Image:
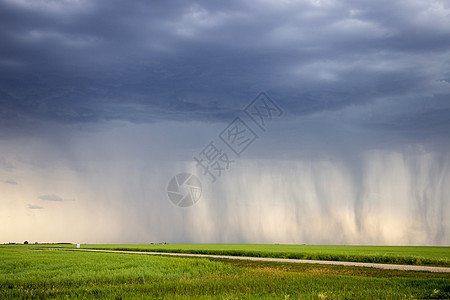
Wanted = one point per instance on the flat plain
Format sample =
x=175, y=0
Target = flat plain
x=34, y=273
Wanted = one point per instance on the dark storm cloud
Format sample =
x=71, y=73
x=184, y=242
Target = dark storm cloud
x=87, y=61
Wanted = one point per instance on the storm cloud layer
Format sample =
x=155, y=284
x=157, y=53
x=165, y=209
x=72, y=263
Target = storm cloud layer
x=102, y=102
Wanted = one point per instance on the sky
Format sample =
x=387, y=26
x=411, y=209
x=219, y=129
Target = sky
x=340, y=112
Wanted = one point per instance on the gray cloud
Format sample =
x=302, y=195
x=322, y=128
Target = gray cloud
x=51, y=198
x=31, y=206
x=10, y=181
x=5, y=164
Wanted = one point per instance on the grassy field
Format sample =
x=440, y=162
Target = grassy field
x=411, y=255
x=27, y=273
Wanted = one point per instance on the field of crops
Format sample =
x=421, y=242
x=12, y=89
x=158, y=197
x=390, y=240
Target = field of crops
x=33, y=273
x=411, y=255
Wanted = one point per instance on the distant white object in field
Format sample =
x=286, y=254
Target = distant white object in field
x=78, y=245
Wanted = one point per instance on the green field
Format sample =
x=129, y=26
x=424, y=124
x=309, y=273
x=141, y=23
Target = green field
x=33, y=273
x=411, y=255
